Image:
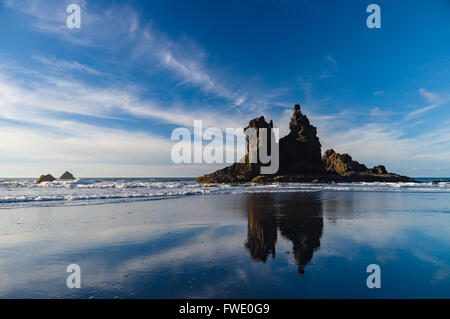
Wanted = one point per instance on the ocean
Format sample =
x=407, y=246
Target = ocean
x=23, y=192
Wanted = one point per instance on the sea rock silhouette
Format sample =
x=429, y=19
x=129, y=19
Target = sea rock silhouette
x=245, y=170
x=344, y=165
x=300, y=160
x=380, y=169
x=67, y=176
x=300, y=150
x=45, y=178
x=341, y=164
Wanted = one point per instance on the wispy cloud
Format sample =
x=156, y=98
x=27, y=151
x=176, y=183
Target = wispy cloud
x=373, y=141
x=383, y=143
x=378, y=92
x=332, y=61
x=120, y=28
x=60, y=65
x=430, y=97
x=377, y=112
x=34, y=122
x=40, y=93
x=425, y=109
x=44, y=99
x=192, y=73
x=332, y=67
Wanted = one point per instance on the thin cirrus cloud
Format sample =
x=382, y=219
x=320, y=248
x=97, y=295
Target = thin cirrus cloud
x=41, y=99
x=31, y=113
x=32, y=125
x=191, y=73
x=143, y=43
x=377, y=112
x=55, y=64
x=430, y=97
x=42, y=92
x=38, y=102
x=120, y=28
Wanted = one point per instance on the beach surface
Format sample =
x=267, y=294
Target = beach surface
x=277, y=244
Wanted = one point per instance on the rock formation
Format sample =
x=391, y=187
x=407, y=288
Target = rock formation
x=45, y=178
x=300, y=150
x=345, y=165
x=380, y=169
x=245, y=170
x=341, y=164
x=67, y=176
x=300, y=160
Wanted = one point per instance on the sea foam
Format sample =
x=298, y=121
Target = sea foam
x=24, y=192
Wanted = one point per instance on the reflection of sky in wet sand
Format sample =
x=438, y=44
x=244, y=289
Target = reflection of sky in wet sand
x=248, y=245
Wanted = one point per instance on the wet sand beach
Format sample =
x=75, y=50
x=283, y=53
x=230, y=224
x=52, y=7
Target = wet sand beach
x=263, y=245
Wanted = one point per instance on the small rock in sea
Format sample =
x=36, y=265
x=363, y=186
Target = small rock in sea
x=67, y=176
x=45, y=178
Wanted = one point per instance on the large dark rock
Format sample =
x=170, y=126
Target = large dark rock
x=344, y=165
x=45, y=178
x=380, y=169
x=67, y=176
x=300, y=150
x=300, y=160
x=341, y=164
x=245, y=170
x=348, y=170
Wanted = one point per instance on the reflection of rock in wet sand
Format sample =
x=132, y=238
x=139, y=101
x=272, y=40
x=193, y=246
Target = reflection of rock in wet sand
x=262, y=229
x=297, y=216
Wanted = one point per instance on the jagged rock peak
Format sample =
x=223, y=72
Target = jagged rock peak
x=259, y=122
x=252, y=147
x=300, y=150
x=301, y=128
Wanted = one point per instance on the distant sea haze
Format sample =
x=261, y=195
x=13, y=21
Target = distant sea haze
x=23, y=192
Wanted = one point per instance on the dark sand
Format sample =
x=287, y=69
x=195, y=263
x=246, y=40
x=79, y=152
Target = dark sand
x=279, y=245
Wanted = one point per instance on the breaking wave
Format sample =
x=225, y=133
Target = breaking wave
x=24, y=193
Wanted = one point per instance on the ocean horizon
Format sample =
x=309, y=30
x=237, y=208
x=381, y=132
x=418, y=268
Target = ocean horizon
x=24, y=192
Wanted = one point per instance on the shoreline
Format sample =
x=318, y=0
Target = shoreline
x=24, y=193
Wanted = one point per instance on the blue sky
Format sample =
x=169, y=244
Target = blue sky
x=103, y=100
